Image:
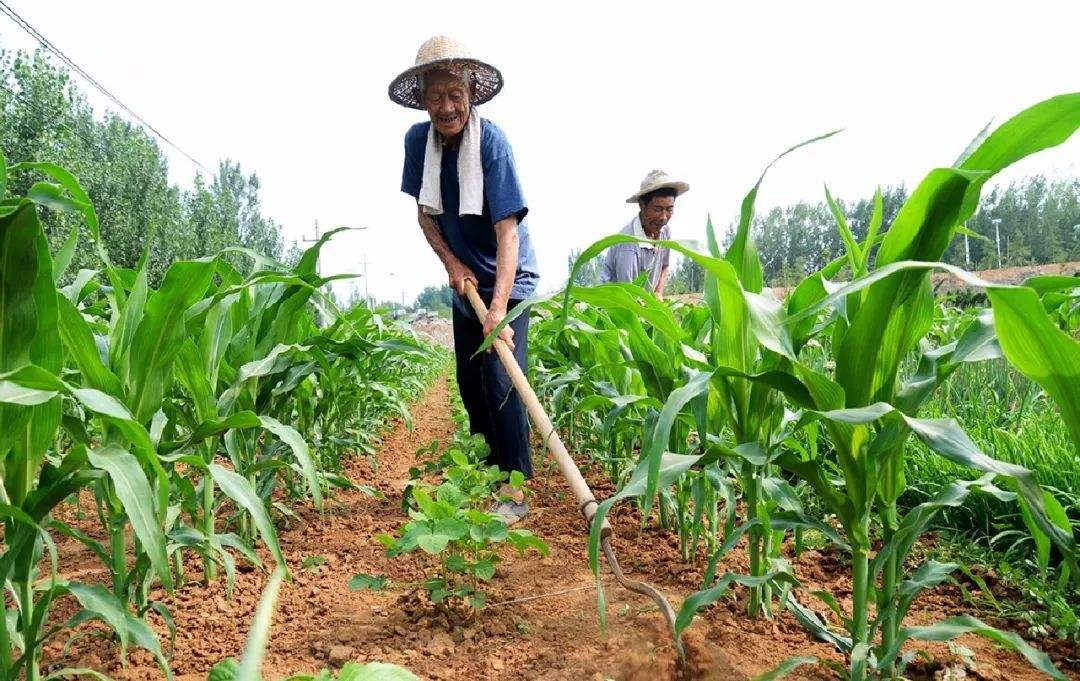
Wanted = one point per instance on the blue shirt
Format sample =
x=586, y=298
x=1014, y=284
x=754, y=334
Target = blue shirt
x=471, y=238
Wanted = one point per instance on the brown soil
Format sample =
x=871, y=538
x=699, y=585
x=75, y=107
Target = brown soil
x=555, y=635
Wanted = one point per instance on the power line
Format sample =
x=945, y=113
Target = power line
x=44, y=42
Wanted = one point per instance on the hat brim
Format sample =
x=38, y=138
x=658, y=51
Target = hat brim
x=487, y=81
x=679, y=187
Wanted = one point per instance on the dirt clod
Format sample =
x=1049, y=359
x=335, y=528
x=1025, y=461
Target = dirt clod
x=339, y=655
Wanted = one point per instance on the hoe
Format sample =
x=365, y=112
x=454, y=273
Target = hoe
x=584, y=496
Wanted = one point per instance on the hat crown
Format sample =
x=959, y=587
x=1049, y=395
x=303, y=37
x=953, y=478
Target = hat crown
x=654, y=177
x=441, y=47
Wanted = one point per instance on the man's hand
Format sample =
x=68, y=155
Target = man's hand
x=494, y=316
x=459, y=273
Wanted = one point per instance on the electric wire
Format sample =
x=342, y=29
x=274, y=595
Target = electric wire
x=44, y=42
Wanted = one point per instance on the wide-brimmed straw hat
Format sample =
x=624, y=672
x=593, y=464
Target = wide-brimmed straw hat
x=447, y=53
x=658, y=179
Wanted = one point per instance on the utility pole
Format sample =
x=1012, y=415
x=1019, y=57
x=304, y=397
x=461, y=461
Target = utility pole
x=367, y=289
x=967, y=252
x=311, y=241
x=997, y=238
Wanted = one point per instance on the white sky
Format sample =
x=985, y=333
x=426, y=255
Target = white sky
x=596, y=95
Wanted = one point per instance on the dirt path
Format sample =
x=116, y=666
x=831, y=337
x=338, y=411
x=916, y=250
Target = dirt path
x=321, y=623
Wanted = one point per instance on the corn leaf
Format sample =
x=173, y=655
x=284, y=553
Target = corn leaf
x=259, y=635
x=1039, y=349
x=965, y=624
x=133, y=489
x=293, y=439
x=240, y=490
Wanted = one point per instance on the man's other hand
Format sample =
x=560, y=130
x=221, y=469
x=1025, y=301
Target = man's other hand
x=494, y=316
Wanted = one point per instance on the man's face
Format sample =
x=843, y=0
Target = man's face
x=446, y=98
x=657, y=212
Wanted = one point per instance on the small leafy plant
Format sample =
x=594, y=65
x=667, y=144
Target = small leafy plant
x=448, y=523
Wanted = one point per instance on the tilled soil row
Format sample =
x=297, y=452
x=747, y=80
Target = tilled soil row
x=542, y=622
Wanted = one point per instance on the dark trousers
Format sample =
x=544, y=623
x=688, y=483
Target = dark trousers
x=495, y=408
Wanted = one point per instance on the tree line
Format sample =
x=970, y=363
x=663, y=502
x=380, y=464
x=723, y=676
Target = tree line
x=1033, y=220
x=45, y=117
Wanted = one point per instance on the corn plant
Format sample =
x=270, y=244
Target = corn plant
x=138, y=394
x=860, y=398
x=725, y=382
x=37, y=476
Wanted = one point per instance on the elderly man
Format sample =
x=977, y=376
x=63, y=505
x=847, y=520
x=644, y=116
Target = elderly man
x=656, y=204
x=460, y=169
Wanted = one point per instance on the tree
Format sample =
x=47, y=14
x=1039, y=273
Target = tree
x=44, y=117
x=438, y=299
x=688, y=277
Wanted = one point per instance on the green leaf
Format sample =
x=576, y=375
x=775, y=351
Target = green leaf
x=742, y=254
x=291, y=437
x=672, y=467
x=66, y=253
x=965, y=624
x=375, y=671
x=224, y=670
x=361, y=581
x=484, y=570
x=259, y=634
x=457, y=563
x=100, y=603
x=523, y=540
x=160, y=334
x=134, y=492
x=653, y=453
x=78, y=340
x=1039, y=349
x=239, y=489
x=786, y=667
x=312, y=562
x=432, y=543
x=53, y=197
x=699, y=599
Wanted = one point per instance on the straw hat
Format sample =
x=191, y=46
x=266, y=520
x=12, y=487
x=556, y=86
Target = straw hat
x=658, y=179
x=444, y=52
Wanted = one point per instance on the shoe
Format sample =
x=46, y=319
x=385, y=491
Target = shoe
x=510, y=512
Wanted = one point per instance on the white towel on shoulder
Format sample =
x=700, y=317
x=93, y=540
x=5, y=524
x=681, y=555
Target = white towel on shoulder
x=470, y=171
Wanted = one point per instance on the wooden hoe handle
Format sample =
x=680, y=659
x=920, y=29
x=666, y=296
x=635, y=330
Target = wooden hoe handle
x=584, y=496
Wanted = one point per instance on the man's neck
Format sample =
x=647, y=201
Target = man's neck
x=452, y=142
x=649, y=232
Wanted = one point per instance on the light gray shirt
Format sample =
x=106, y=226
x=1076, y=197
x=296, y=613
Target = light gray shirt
x=625, y=262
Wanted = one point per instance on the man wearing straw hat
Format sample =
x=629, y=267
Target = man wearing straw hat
x=655, y=200
x=460, y=169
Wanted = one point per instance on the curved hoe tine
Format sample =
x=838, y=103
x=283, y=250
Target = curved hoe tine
x=646, y=590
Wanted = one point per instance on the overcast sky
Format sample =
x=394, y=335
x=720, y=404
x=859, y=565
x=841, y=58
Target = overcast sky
x=596, y=95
